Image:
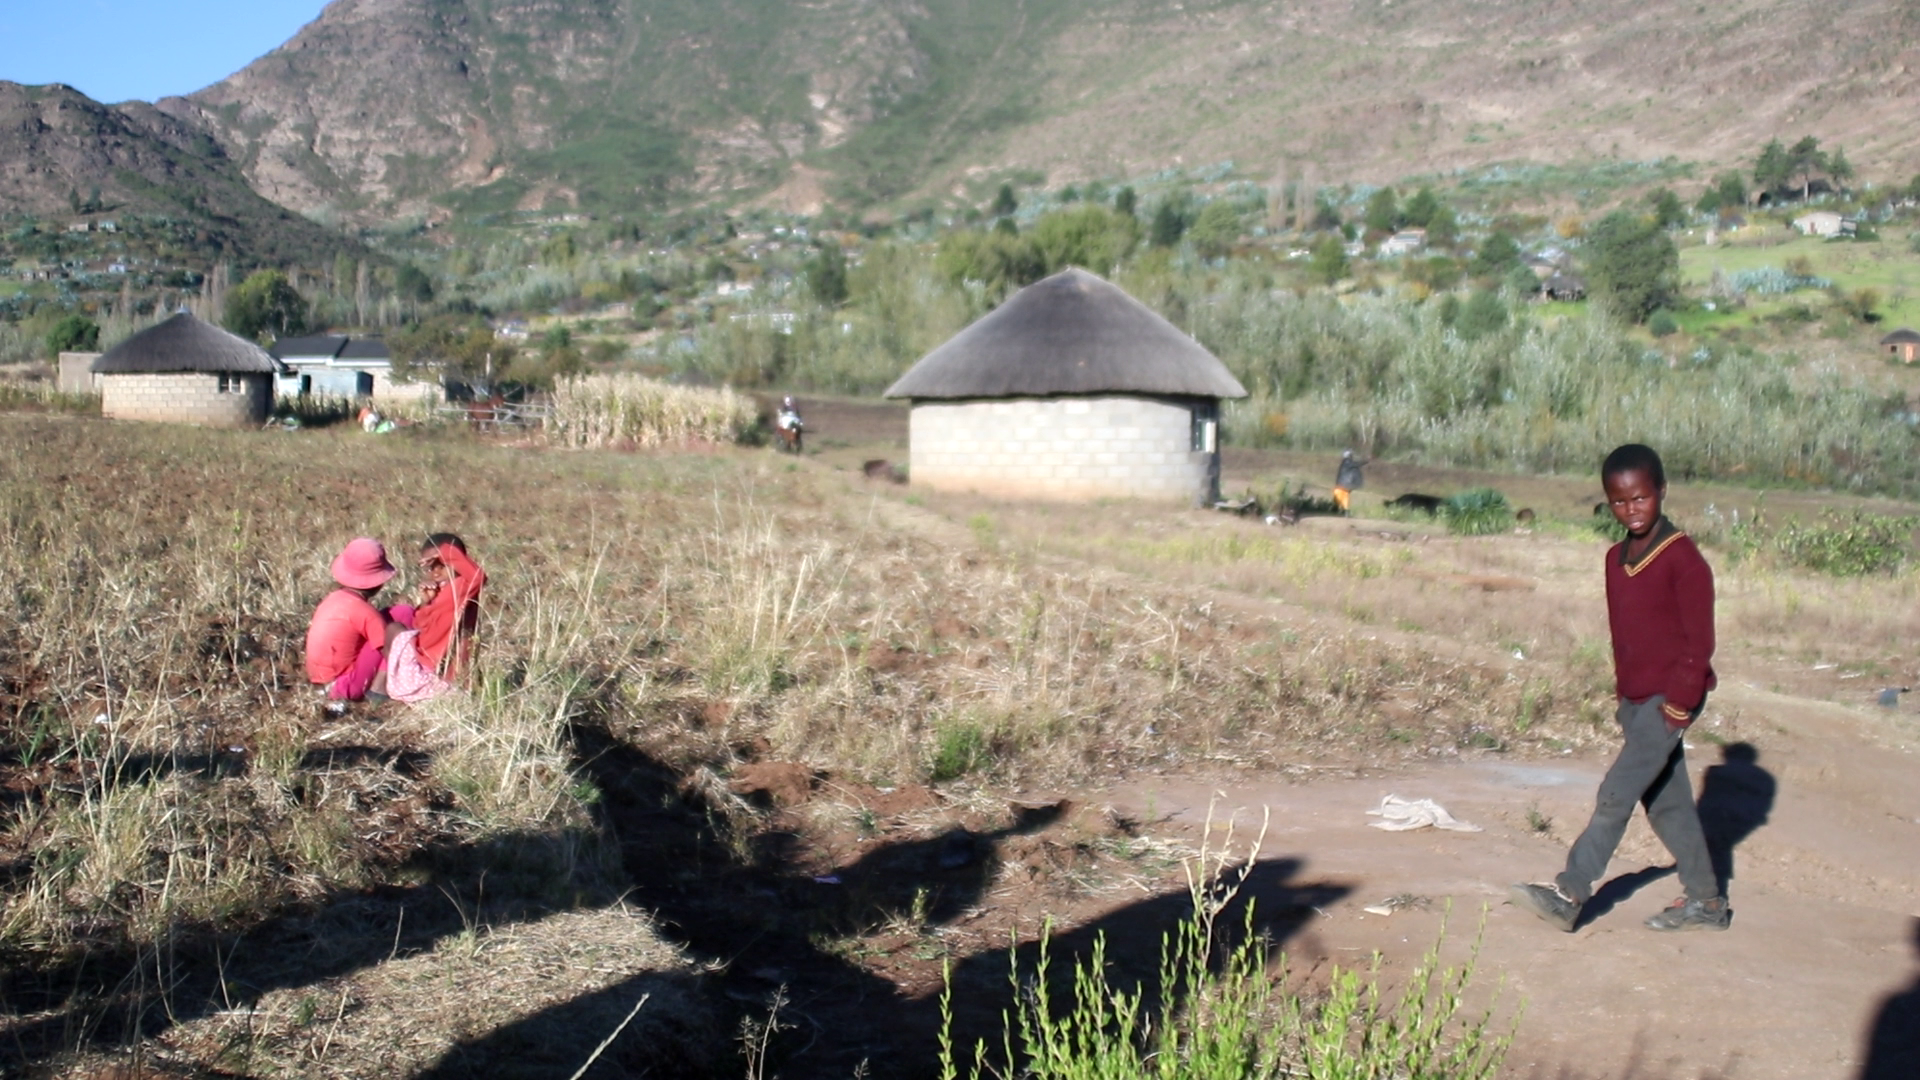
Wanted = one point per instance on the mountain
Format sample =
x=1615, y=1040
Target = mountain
x=59, y=147
x=382, y=110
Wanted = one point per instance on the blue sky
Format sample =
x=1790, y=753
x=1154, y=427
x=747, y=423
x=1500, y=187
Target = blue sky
x=122, y=50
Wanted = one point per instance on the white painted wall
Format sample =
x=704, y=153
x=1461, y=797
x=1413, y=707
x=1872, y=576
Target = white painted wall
x=1064, y=448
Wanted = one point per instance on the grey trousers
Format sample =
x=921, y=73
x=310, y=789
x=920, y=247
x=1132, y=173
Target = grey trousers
x=1651, y=770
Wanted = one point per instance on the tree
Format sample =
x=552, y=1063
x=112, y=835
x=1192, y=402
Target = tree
x=1484, y=313
x=1443, y=228
x=1124, y=201
x=1169, y=224
x=1839, y=168
x=1089, y=236
x=1633, y=267
x=1328, y=260
x=997, y=260
x=75, y=333
x=1726, y=196
x=1496, y=256
x=1772, y=168
x=1667, y=211
x=1733, y=191
x=1807, y=159
x=826, y=276
x=1420, y=210
x=1004, y=204
x=1215, y=230
x=1326, y=216
x=265, y=303
x=462, y=346
x=412, y=283
x=1383, y=211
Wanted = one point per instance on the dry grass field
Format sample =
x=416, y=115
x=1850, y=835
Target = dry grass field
x=757, y=747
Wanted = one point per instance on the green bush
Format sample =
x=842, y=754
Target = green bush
x=1663, y=324
x=1229, y=1022
x=1841, y=544
x=959, y=749
x=1477, y=512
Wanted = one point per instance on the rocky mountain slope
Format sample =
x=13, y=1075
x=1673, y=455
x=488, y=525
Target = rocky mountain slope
x=382, y=109
x=59, y=147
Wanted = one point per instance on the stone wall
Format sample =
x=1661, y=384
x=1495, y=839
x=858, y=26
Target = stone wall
x=188, y=398
x=1071, y=448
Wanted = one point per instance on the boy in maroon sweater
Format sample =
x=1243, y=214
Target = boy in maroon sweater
x=1660, y=611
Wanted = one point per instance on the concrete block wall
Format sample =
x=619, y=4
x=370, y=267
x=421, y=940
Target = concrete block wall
x=76, y=373
x=187, y=398
x=1066, y=448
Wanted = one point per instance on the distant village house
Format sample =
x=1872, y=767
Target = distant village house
x=1404, y=242
x=1822, y=223
x=342, y=366
x=1903, y=344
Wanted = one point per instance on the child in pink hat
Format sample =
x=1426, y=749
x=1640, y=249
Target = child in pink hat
x=346, y=640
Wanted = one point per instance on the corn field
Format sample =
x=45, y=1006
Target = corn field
x=629, y=410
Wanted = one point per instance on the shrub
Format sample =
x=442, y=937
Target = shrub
x=1477, y=512
x=961, y=748
x=1854, y=544
x=1215, y=1012
x=1662, y=324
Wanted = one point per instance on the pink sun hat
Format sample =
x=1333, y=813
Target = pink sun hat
x=362, y=564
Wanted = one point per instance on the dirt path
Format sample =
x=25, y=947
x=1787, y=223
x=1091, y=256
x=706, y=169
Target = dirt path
x=1822, y=825
x=1825, y=888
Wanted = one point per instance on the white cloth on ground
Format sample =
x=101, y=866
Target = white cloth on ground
x=1398, y=815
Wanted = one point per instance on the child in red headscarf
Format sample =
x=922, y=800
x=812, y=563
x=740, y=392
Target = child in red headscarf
x=449, y=609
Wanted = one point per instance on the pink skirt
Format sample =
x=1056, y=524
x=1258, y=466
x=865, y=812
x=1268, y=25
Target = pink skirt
x=408, y=679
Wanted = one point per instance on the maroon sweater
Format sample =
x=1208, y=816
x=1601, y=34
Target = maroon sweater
x=1660, y=610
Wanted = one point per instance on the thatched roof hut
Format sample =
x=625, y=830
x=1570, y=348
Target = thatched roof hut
x=1071, y=388
x=187, y=371
x=184, y=343
x=1073, y=333
x=1902, y=343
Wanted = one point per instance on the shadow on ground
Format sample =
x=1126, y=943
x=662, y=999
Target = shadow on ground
x=756, y=922
x=1736, y=798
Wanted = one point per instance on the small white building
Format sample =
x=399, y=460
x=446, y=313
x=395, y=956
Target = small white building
x=1071, y=389
x=1404, y=242
x=343, y=366
x=186, y=371
x=1820, y=223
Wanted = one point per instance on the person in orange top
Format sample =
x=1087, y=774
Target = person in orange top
x=449, y=609
x=347, y=636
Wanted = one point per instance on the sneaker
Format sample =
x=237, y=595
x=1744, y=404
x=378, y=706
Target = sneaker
x=1685, y=914
x=1547, y=901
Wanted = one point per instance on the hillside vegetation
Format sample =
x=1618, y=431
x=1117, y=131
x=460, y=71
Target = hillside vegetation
x=380, y=110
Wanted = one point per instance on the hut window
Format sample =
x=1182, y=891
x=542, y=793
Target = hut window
x=229, y=384
x=1206, y=428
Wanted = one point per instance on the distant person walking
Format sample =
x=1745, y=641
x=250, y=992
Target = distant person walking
x=1348, y=480
x=1660, y=613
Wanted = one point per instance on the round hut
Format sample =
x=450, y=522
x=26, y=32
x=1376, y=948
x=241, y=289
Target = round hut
x=1070, y=389
x=1902, y=344
x=188, y=372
